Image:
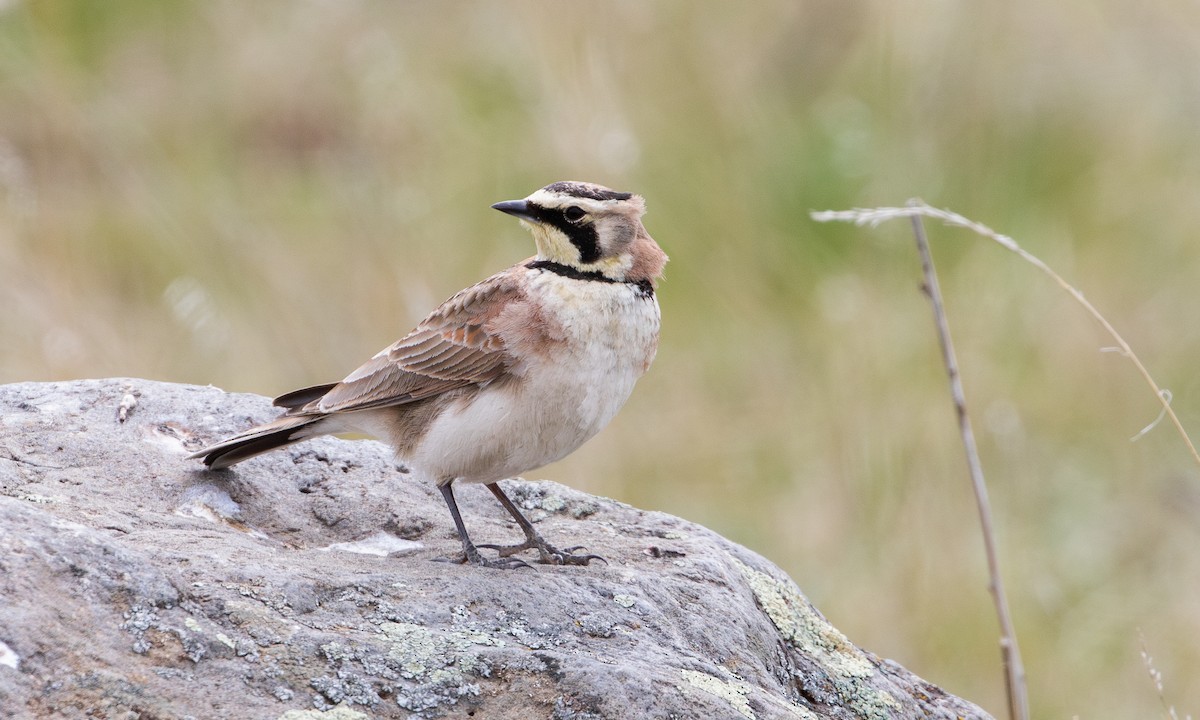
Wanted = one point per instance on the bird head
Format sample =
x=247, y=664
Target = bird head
x=590, y=228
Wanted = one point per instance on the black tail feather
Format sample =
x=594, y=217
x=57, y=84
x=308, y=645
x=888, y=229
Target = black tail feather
x=256, y=441
x=299, y=398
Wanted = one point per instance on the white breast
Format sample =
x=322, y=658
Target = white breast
x=561, y=398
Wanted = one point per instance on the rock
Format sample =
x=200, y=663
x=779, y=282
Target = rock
x=300, y=586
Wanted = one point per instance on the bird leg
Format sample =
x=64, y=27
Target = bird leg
x=548, y=554
x=470, y=553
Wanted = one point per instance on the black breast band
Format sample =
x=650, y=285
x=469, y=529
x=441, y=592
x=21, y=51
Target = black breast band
x=645, y=289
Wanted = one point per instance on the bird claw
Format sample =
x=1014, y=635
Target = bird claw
x=547, y=553
x=475, y=558
x=506, y=564
x=567, y=556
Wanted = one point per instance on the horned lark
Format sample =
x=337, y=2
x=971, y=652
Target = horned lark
x=508, y=375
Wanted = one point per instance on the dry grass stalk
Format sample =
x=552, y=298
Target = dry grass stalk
x=916, y=208
x=1156, y=678
x=1014, y=670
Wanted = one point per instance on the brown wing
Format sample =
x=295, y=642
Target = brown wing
x=450, y=349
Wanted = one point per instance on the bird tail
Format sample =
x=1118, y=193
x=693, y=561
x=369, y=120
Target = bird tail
x=258, y=440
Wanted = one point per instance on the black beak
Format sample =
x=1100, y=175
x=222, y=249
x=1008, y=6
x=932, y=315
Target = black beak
x=516, y=208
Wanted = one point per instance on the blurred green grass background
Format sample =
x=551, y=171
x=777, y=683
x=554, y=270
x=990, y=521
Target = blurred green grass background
x=261, y=195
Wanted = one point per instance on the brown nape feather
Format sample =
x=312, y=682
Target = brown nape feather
x=258, y=440
x=300, y=398
x=648, y=259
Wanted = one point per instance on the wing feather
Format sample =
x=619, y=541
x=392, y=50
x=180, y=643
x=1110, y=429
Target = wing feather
x=456, y=346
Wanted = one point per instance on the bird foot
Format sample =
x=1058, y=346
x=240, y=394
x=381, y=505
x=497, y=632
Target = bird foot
x=472, y=556
x=547, y=553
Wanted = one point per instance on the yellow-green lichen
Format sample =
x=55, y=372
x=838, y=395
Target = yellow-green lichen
x=737, y=693
x=733, y=693
x=413, y=648
x=812, y=635
x=441, y=655
x=553, y=503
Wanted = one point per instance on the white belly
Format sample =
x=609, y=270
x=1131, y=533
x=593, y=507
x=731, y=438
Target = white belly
x=559, y=400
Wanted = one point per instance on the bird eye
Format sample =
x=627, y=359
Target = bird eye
x=574, y=213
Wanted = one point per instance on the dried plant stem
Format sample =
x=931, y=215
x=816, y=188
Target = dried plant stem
x=875, y=216
x=1014, y=670
x=1156, y=678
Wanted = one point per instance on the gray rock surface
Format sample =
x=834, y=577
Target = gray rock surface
x=300, y=586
